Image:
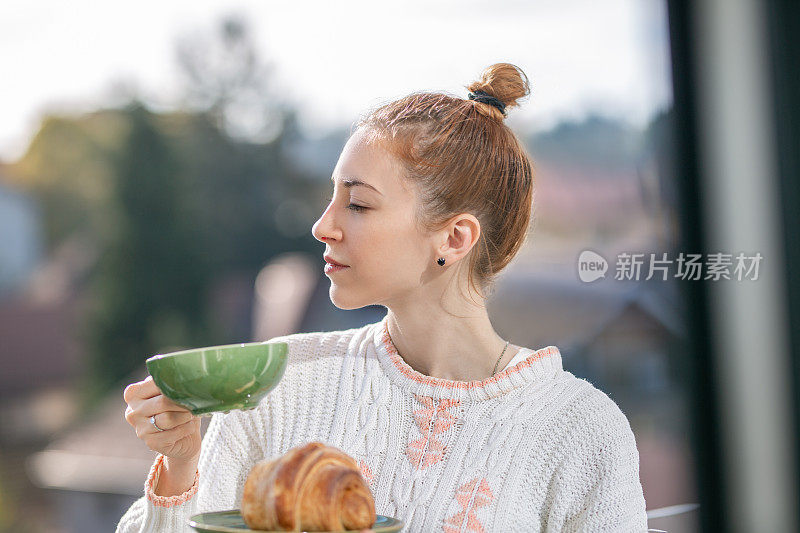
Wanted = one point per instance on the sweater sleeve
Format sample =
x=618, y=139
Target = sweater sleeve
x=226, y=457
x=598, y=487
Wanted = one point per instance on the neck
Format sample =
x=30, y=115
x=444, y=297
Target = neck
x=457, y=348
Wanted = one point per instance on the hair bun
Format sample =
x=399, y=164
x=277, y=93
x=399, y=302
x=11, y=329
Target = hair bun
x=503, y=81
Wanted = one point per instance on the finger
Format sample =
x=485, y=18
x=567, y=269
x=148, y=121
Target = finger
x=171, y=419
x=141, y=390
x=146, y=430
x=158, y=439
x=130, y=415
x=159, y=404
x=149, y=388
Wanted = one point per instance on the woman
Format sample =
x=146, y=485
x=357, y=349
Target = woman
x=454, y=428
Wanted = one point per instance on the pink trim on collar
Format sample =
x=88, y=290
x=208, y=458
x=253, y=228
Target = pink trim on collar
x=409, y=372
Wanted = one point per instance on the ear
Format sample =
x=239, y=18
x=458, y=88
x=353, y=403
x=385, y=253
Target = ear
x=459, y=237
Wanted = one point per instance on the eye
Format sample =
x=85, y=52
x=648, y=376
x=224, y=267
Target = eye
x=352, y=207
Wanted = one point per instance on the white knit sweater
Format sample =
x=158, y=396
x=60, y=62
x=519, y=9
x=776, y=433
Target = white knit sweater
x=532, y=448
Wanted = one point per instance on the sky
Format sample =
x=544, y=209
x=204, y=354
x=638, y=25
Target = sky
x=335, y=59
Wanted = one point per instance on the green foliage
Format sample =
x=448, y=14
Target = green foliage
x=232, y=191
x=67, y=167
x=149, y=284
x=173, y=203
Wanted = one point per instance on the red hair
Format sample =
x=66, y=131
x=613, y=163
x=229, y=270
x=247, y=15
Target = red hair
x=461, y=157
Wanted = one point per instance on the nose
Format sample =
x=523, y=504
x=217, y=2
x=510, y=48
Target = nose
x=325, y=227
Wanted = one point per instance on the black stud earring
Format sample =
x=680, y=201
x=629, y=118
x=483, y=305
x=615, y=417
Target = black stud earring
x=440, y=261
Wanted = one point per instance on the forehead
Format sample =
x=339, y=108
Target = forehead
x=370, y=163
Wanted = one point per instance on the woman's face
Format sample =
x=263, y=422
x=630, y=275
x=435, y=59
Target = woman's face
x=372, y=230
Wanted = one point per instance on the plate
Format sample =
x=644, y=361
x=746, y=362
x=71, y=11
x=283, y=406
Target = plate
x=232, y=522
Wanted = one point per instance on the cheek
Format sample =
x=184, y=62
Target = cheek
x=388, y=245
x=399, y=253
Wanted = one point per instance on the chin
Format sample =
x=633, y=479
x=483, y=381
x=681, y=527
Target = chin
x=341, y=300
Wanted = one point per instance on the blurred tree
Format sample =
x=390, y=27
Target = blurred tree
x=149, y=284
x=235, y=192
x=174, y=203
x=235, y=152
x=597, y=142
x=224, y=75
x=67, y=167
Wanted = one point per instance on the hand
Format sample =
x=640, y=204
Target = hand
x=180, y=439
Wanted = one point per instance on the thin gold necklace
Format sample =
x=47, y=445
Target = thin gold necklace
x=498, y=359
x=495, y=365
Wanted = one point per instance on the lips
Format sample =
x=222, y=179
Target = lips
x=331, y=261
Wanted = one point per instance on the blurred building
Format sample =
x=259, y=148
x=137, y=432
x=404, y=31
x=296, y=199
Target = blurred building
x=576, y=198
x=40, y=324
x=20, y=233
x=94, y=471
x=42, y=357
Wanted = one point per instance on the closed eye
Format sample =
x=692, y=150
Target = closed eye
x=352, y=207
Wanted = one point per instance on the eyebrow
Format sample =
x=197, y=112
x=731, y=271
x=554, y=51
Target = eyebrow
x=353, y=182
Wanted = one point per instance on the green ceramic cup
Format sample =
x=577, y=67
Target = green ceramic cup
x=219, y=378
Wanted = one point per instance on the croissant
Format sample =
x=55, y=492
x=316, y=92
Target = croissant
x=310, y=488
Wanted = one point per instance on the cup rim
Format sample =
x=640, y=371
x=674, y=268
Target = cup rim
x=221, y=346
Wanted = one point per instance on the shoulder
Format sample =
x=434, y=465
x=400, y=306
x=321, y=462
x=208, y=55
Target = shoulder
x=307, y=346
x=598, y=487
x=590, y=419
x=596, y=448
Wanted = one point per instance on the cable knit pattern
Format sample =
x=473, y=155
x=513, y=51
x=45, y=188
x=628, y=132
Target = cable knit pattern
x=532, y=448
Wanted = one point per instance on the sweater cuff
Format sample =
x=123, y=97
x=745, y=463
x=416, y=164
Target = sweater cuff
x=166, y=501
